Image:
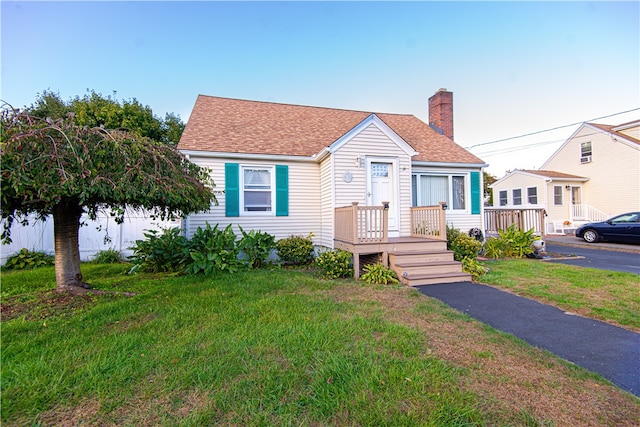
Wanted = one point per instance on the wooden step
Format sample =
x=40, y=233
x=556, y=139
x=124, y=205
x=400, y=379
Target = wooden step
x=434, y=279
x=431, y=267
x=424, y=245
x=420, y=256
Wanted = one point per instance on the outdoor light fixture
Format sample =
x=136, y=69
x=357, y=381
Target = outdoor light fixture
x=567, y=187
x=444, y=206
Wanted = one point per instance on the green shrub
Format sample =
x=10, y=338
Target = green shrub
x=462, y=245
x=335, y=263
x=256, y=247
x=494, y=248
x=452, y=234
x=107, y=256
x=211, y=249
x=26, y=259
x=473, y=267
x=379, y=274
x=296, y=250
x=517, y=243
x=166, y=251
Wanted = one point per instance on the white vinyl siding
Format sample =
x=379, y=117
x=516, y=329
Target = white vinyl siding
x=614, y=172
x=304, y=205
x=371, y=142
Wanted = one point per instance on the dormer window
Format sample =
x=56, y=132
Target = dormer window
x=585, y=152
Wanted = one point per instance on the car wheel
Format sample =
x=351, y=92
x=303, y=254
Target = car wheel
x=590, y=236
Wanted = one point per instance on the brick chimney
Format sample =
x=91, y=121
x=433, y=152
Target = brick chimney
x=441, y=112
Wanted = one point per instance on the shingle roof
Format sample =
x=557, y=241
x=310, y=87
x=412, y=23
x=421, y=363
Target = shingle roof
x=228, y=125
x=552, y=174
x=611, y=129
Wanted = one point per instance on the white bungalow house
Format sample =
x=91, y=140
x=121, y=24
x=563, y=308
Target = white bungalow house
x=594, y=175
x=356, y=180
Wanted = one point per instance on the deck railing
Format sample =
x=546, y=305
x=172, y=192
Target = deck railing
x=496, y=219
x=429, y=221
x=585, y=212
x=362, y=224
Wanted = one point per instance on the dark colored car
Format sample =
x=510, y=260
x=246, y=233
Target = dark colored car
x=623, y=228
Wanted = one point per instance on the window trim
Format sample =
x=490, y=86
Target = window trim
x=513, y=196
x=272, y=190
x=506, y=198
x=556, y=194
x=467, y=201
x=529, y=195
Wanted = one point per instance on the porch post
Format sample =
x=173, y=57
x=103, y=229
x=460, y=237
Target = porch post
x=385, y=222
x=354, y=222
x=443, y=221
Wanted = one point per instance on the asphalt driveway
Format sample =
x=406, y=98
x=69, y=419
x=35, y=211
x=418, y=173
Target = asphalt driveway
x=600, y=347
x=603, y=259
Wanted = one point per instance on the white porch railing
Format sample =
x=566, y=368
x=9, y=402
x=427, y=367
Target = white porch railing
x=586, y=212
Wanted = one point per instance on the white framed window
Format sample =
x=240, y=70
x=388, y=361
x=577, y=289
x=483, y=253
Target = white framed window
x=557, y=195
x=503, y=198
x=257, y=190
x=532, y=195
x=586, y=152
x=517, y=196
x=431, y=189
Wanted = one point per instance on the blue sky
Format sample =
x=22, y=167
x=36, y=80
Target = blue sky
x=514, y=67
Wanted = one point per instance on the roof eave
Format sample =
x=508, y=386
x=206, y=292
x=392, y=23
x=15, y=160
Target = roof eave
x=449, y=164
x=250, y=156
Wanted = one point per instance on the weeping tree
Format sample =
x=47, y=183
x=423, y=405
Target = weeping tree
x=58, y=167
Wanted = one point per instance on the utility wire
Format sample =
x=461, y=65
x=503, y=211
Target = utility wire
x=551, y=129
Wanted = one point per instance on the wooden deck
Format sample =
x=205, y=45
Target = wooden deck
x=416, y=260
x=419, y=259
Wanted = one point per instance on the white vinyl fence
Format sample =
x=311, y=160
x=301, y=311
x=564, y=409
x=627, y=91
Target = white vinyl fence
x=103, y=233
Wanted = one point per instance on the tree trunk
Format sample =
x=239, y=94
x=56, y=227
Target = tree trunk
x=66, y=227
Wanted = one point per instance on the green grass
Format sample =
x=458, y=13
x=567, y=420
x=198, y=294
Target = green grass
x=257, y=348
x=258, y=351
x=605, y=295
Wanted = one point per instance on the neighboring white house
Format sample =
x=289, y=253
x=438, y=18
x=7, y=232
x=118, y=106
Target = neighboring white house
x=283, y=169
x=594, y=175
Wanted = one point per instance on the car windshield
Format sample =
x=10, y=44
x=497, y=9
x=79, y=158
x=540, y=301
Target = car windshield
x=630, y=217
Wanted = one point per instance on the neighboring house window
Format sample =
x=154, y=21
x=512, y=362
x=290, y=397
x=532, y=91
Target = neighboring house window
x=429, y=190
x=532, y=195
x=585, y=152
x=517, y=196
x=256, y=190
x=503, y=198
x=557, y=195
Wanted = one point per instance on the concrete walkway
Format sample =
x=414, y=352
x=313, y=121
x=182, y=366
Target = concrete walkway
x=600, y=347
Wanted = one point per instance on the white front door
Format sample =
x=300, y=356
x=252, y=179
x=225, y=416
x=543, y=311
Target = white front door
x=382, y=186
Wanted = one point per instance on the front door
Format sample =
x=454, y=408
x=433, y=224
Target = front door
x=382, y=187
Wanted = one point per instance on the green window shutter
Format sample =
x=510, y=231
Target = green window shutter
x=282, y=190
x=476, y=193
x=232, y=189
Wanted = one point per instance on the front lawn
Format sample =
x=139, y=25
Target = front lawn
x=274, y=348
